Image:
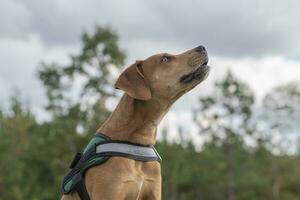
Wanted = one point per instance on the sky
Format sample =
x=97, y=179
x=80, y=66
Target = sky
x=258, y=40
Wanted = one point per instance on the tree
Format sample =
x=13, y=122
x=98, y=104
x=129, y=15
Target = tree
x=224, y=119
x=280, y=114
x=91, y=70
x=78, y=93
x=15, y=128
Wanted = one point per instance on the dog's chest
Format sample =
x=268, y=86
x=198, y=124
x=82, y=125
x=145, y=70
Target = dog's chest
x=134, y=188
x=143, y=178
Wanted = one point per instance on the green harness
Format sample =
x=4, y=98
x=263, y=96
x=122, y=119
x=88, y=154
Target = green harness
x=99, y=150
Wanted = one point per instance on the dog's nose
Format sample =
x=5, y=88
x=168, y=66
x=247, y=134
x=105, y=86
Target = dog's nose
x=200, y=49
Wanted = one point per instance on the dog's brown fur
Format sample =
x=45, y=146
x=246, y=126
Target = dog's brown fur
x=151, y=86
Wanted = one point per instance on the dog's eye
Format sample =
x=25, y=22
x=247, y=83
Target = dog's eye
x=165, y=58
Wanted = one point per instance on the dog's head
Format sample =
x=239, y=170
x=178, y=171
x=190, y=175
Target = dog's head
x=165, y=76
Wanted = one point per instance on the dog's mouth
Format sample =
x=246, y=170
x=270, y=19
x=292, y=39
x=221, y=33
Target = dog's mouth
x=200, y=73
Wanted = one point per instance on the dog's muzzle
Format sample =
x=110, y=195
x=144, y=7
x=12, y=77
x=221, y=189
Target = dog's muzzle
x=201, y=70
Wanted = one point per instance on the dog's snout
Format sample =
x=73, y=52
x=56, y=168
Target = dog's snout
x=200, y=49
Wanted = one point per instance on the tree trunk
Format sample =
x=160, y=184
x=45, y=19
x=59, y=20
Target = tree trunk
x=231, y=190
x=276, y=181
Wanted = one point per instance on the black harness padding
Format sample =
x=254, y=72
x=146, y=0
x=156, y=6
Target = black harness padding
x=99, y=150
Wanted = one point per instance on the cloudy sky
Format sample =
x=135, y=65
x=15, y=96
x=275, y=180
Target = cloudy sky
x=258, y=39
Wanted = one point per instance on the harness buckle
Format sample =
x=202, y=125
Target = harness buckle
x=75, y=160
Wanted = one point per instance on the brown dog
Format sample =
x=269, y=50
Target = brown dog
x=151, y=86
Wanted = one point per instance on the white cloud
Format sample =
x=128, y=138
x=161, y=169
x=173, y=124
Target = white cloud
x=15, y=19
x=232, y=28
x=19, y=61
x=262, y=74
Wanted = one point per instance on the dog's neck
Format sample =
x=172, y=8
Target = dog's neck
x=135, y=120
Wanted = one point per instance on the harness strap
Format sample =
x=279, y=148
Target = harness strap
x=80, y=187
x=131, y=151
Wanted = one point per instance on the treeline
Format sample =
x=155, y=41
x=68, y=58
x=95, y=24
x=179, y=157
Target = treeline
x=250, y=150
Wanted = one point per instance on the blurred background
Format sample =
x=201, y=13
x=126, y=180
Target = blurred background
x=236, y=136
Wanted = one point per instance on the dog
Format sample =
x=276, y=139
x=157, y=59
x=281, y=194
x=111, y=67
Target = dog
x=150, y=87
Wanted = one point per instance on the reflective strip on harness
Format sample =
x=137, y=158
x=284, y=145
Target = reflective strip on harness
x=127, y=149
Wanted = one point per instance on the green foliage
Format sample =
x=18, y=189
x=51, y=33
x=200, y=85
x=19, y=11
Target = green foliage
x=188, y=174
x=91, y=68
x=15, y=127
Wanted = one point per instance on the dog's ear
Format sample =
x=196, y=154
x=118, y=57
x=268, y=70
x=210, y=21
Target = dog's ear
x=133, y=82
